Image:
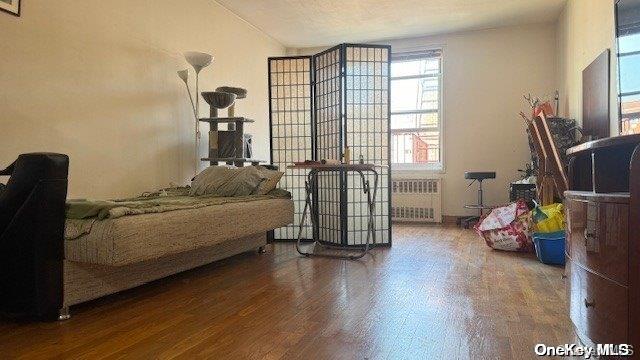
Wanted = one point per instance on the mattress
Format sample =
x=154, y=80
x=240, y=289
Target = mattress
x=84, y=282
x=131, y=239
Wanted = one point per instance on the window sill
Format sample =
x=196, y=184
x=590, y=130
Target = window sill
x=434, y=168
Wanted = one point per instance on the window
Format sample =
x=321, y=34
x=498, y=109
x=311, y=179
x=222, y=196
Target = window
x=416, y=102
x=628, y=30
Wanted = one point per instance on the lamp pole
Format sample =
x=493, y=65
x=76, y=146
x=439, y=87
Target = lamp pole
x=199, y=61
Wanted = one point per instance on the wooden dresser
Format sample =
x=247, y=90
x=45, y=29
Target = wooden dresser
x=603, y=240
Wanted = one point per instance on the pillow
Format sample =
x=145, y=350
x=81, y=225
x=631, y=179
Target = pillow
x=227, y=182
x=271, y=178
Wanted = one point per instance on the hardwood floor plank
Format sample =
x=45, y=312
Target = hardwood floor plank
x=438, y=293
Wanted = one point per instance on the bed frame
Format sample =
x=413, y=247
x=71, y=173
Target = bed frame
x=35, y=278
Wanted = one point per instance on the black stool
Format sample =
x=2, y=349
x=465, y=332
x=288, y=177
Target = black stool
x=478, y=176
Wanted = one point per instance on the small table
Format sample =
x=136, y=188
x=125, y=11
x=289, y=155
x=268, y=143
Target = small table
x=311, y=184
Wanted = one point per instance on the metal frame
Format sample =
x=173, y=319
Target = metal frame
x=618, y=82
x=620, y=95
x=328, y=118
x=361, y=55
x=297, y=191
x=480, y=206
x=311, y=184
x=338, y=182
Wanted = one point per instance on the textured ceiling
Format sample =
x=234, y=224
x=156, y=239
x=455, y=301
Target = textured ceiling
x=307, y=23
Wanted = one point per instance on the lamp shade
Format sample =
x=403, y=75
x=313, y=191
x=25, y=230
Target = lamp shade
x=184, y=75
x=198, y=60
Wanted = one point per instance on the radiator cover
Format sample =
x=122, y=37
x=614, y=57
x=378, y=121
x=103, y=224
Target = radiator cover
x=416, y=200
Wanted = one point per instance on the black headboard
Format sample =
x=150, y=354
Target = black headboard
x=32, y=207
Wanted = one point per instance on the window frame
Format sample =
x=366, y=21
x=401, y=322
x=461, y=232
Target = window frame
x=619, y=56
x=430, y=167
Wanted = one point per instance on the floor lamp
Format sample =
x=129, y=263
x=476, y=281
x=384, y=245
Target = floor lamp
x=199, y=61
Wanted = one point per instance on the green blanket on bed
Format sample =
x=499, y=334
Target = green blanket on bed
x=157, y=202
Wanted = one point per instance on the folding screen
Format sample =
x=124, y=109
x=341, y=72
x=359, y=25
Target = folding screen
x=367, y=134
x=327, y=120
x=291, y=139
x=350, y=99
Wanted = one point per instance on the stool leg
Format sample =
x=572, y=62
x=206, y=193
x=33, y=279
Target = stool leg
x=480, y=196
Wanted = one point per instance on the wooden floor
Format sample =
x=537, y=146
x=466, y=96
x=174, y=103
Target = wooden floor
x=437, y=293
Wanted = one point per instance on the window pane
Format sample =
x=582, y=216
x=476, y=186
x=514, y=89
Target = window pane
x=414, y=121
x=629, y=43
x=415, y=147
x=629, y=76
x=415, y=94
x=630, y=109
x=415, y=137
x=428, y=66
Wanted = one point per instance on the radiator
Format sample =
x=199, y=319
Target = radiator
x=416, y=200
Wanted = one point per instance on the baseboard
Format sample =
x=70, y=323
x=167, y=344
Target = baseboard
x=451, y=219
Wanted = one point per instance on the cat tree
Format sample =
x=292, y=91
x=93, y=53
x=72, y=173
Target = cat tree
x=231, y=146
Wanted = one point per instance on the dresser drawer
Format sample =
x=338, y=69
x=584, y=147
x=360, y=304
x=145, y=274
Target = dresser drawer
x=597, y=237
x=598, y=307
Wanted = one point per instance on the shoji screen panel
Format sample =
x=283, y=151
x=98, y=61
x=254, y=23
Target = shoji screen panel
x=318, y=105
x=328, y=132
x=290, y=107
x=367, y=132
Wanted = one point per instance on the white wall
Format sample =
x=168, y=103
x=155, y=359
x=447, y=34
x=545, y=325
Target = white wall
x=97, y=80
x=485, y=75
x=585, y=29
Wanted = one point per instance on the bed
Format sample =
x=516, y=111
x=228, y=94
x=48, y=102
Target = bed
x=121, y=253
x=115, y=253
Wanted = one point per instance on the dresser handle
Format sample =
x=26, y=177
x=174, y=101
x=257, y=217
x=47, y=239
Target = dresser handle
x=589, y=304
x=564, y=276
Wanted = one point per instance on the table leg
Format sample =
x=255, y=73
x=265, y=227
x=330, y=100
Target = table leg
x=366, y=188
x=308, y=186
x=372, y=205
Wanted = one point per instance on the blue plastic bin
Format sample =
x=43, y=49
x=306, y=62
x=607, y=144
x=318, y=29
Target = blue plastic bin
x=550, y=247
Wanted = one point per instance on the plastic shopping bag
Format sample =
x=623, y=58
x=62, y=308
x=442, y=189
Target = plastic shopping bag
x=552, y=221
x=507, y=228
